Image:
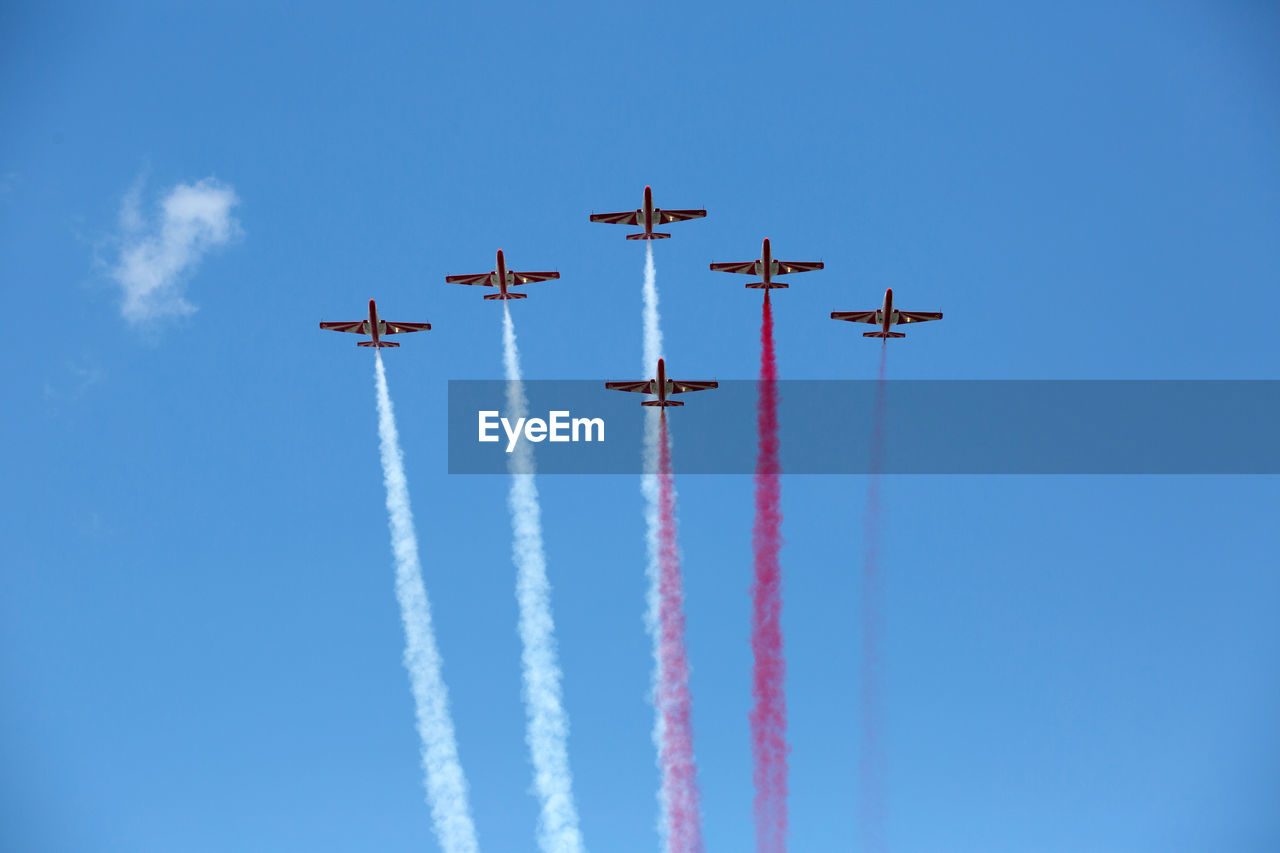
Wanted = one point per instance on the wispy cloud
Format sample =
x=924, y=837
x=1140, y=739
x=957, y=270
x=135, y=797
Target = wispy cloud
x=158, y=254
x=73, y=381
x=94, y=526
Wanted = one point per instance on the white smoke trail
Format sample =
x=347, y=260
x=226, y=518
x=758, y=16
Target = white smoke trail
x=652, y=321
x=652, y=351
x=649, y=479
x=547, y=723
x=446, y=785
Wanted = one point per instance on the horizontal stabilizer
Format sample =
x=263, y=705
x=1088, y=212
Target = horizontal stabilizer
x=507, y=295
x=652, y=235
x=378, y=344
x=772, y=285
x=884, y=334
x=663, y=403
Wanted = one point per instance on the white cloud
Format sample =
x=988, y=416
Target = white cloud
x=157, y=257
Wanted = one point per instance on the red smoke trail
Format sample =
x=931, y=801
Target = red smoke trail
x=769, y=714
x=872, y=769
x=679, y=772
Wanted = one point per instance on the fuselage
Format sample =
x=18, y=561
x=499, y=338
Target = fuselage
x=373, y=326
x=766, y=267
x=887, y=316
x=646, y=212
x=661, y=381
x=500, y=274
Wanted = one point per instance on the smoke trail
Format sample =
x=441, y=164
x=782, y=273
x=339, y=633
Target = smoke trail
x=652, y=351
x=680, y=819
x=672, y=699
x=769, y=714
x=652, y=322
x=445, y=783
x=547, y=723
x=872, y=764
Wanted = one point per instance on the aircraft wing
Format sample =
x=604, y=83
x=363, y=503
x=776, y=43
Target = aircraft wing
x=665, y=216
x=785, y=267
x=855, y=316
x=745, y=267
x=357, y=327
x=637, y=387
x=476, y=278
x=526, y=277
x=683, y=387
x=918, y=316
x=630, y=217
x=400, y=328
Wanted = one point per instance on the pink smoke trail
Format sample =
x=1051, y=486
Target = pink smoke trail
x=872, y=764
x=769, y=714
x=672, y=697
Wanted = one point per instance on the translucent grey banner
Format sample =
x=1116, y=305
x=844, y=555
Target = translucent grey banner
x=930, y=427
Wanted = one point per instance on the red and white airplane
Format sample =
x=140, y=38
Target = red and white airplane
x=885, y=317
x=767, y=267
x=661, y=386
x=375, y=328
x=647, y=217
x=502, y=278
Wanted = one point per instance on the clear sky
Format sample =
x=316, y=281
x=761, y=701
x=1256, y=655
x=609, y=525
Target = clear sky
x=200, y=646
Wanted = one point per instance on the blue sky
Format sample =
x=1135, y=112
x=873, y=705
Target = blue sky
x=201, y=648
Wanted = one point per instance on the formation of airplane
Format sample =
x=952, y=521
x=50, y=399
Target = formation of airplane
x=502, y=278
x=375, y=328
x=886, y=316
x=661, y=386
x=646, y=217
x=767, y=267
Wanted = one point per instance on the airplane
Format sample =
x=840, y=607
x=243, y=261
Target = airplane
x=886, y=317
x=502, y=278
x=647, y=217
x=375, y=328
x=767, y=267
x=662, y=386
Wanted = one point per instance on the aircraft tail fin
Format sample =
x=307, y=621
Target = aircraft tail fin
x=379, y=344
x=773, y=285
x=663, y=403
x=884, y=334
x=652, y=235
x=507, y=295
